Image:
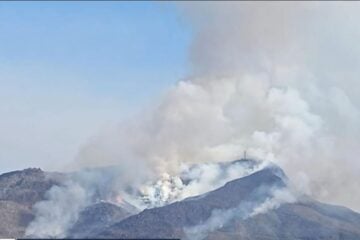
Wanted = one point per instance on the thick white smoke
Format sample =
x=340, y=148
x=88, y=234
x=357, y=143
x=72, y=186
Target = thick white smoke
x=194, y=180
x=59, y=212
x=279, y=79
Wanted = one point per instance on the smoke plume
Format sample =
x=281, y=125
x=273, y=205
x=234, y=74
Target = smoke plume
x=195, y=180
x=57, y=214
x=279, y=79
x=60, y=209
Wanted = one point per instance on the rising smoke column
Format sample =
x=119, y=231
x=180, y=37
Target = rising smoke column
x=55, y=215
x=279, y=79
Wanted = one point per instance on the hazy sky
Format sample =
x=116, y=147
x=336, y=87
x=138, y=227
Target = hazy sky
x=70, y=69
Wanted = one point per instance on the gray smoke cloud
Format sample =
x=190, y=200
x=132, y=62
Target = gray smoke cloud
x=277, y=79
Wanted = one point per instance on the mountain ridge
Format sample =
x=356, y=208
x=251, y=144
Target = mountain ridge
x=304, y=219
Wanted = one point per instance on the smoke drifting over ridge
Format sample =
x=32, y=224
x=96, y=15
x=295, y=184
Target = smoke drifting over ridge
x=279, y=79
x=247, y=209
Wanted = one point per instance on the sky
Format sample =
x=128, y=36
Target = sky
x=69, y=70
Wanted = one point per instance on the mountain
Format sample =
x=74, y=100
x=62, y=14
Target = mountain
x=28, y=186
x=19, y=191
x=170, y=220
x=244, y=208
x=304, y=219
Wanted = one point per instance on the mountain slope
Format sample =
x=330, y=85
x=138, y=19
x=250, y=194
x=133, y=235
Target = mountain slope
x=224, y=213
x=14, y=219
x=19, y=191
x=305, y=219
x=96, y=217
x=169, y=221
x=26, y=187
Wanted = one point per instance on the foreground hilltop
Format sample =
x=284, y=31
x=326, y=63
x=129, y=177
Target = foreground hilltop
x=248, y=207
